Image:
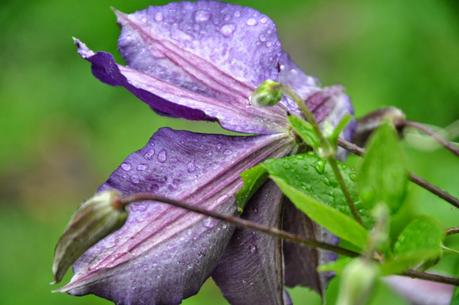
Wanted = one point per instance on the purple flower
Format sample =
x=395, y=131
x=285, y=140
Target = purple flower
x=202, y=61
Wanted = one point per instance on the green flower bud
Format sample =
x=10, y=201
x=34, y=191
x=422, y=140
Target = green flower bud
x=269, y=93
x=94, y=220
x=357, y=282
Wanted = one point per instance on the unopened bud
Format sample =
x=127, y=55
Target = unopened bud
x=357, y=282
x=94, y=220
x=269, y=93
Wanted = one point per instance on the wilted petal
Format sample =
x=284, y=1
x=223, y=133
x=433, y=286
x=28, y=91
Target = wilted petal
x=208, y=56
x=163, y=254
x=300, y=262
x=250, y=271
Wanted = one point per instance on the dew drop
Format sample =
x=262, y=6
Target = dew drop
x=208, y=223
x=135, y=179
x=263, y=20
x=159, y=17
x=142, y=167
x=126, y=166
x=251, y=21
x=191, y=167
x=262, y=38
x=269, y=44
x=162, y=156
x=149, y=154
x=228, y=29
x=237, y=14
x=252, y=249
x=202, y=16
x=227, y=152
x=320, y=166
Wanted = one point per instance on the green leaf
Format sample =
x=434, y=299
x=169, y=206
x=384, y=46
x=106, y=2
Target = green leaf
x=455, y=298
x=339, y=129
x=382, y=176
x=313, y=176
x=336, y=222
x=305, y=130
x=336, y=266
x=253, y=178
x=419, y=242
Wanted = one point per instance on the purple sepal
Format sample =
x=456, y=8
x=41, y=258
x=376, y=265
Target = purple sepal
x=251, y=269
x=163, y=254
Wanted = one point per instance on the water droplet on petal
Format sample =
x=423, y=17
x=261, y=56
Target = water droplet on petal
x=191, y=167
x=251, y=21
x=227, y=152
x=202, y=16
x=263, y=20
x=237, y=14
x=142, y=167
x=162, y=156
x=126, y=166
x=135, y=179
x=252, y=249
x=262, y=37
x=208, y=222
x=149, y=154
x=228, y=29
x=159, y=16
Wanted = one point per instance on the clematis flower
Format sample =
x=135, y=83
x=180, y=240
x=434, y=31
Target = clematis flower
x=202, y=61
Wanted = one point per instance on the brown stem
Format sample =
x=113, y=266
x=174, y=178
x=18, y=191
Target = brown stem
x=437, y=137
x=432, y=277
x=246, y=224
x=359, y=151
x=452, y=231
x=243, y=223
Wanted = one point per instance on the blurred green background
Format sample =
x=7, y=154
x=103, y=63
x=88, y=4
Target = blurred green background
x=63, y=132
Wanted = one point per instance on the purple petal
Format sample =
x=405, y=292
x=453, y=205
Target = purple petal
x=163, y=254
x=250, y=271
x=300, y=262
x=421, y=292
x=207, y=56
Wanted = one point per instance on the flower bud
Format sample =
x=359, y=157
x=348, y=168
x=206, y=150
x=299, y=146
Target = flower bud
x=269, y=93
x=357, y=282
x=94, y=220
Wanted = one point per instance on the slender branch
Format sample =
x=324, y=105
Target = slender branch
x=246, y=224
x=432, y=277
x=357, y=150
x=435, y=190
x=452, y=231
x=243, y=223
x=436, y=136
x=328, y=150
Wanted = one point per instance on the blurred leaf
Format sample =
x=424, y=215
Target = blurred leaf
x=419, y=242
x=253, y=178
x=455, y=298
x=336, y=222
x=336, y=266
x=339, y=129
x=313, y=176
x=382, y=176
x=305, y=131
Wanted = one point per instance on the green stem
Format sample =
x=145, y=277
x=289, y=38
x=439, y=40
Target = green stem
x=328, y=151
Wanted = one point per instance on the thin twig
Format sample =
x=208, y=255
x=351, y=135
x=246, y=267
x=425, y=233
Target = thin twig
x=329, y=151
x=436, y=136
x=432, y=277
x=246, y=224
x=359, y=151
x=243, y=223
x=452, y=231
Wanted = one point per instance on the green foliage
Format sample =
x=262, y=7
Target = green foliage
x=305, y=130
x=382, y=176
x=419, y=242
x=253, y=178
x=336, y=222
